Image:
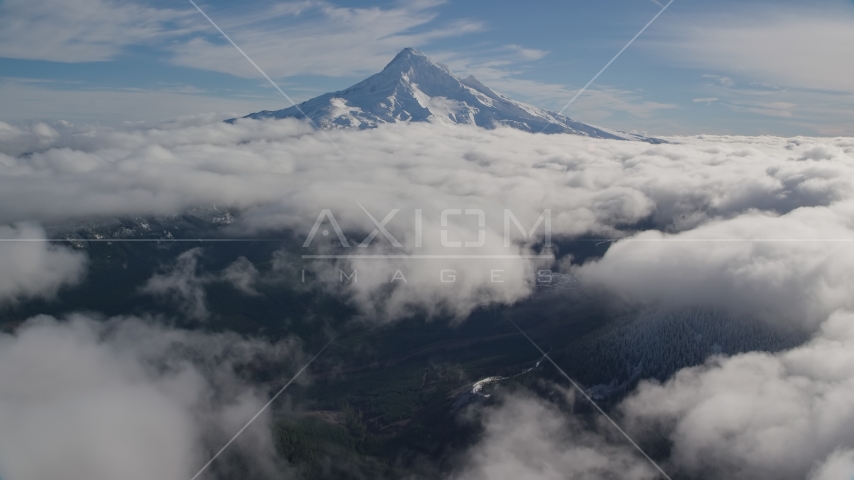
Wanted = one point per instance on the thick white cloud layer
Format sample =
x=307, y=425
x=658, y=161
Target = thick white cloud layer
x=31, y=267
x=84, y=399
x=281, y=175
x=591, y=184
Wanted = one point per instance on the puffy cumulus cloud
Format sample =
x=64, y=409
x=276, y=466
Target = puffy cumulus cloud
x=17, y=139
x=123, y=398
x=786, y=416
x=839, y=464
x=754, y=415
x=525, y=437
x=32, y=267
x=280, y=175
x=758, y=415
x=796, y=266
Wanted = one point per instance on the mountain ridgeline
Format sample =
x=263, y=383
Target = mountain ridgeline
x=413, y=88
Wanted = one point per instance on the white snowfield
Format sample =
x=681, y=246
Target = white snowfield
x=413, y=88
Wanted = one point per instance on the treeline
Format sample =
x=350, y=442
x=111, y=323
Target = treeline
x=656, y=345
x=319, y=449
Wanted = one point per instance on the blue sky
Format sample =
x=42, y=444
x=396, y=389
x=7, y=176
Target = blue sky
x=718, y=67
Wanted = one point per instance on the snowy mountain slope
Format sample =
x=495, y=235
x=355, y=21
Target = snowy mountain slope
x=413, y=88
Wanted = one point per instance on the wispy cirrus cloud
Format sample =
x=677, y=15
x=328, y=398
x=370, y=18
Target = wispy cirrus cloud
x=184, y=285
x=22, y=99
x=504, y=69
x=287, y=38
x=84, y=30
x=795, y=47
x=786, y=63
x=316, y=38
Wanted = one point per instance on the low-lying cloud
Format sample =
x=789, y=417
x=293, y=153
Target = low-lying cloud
x=184, y=285
x=792, y=267
x=84, y=30
x=280, y=176
x=758, y=415
x=756, y=40
x=526, y=437
x=30, y=267
x=87, y=398
x=756, y=224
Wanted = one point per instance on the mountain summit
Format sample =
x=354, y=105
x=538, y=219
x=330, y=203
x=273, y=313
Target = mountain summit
x=413, y=88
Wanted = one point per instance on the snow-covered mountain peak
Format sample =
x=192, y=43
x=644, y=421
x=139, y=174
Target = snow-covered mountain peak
x=414, y=88
x=409, y=58
x=413, y=62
